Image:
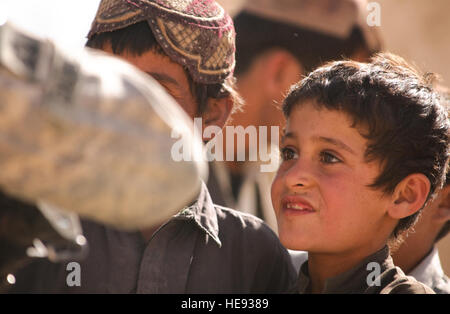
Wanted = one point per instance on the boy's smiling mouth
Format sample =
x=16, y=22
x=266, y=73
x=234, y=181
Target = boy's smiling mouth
x=296, y=205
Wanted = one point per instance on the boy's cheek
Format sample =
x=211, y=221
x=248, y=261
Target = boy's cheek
x=276, y=190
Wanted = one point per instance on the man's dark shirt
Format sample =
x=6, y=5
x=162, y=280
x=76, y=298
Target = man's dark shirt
x=203, y=249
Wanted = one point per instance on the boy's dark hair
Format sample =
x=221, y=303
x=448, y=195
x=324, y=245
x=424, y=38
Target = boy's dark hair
x=137, y=39
x=394, y=108
x=256, y=35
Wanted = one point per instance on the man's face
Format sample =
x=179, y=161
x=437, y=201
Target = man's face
x=320, y=195
x=169, y=74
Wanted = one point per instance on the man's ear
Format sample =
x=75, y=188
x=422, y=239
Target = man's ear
x=217, y=112
x=280, y=69
x=442, y=214
x=409, y=196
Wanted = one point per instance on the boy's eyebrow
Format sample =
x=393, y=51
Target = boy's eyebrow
x=328, y=140
x=335, y=142
x=160, y=77
x=288, y=135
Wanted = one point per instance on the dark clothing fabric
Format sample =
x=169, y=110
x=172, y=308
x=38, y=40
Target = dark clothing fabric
x=204, y=249
x=363, y=278
x=219, y=197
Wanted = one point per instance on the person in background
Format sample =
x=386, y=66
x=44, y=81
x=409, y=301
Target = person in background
x=418, y=255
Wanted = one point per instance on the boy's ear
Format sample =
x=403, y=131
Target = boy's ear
x=217, y=112
x=409, y=196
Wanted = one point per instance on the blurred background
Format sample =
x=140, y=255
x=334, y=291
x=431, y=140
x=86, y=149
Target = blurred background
x=67, y=21
x=418, y=30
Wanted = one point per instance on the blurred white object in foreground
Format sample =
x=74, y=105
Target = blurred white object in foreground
x=66, y=22
x=88, y=133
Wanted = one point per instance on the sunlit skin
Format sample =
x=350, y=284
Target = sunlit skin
x=321, y=196
x=169, y=74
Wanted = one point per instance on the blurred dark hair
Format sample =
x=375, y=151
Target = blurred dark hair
x=443, y=232
x=446, y=228
x=255, y=35
x=445, y=98
x=138, y=38
x=394, y=108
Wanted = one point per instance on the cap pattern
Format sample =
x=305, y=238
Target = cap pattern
x=197, y=34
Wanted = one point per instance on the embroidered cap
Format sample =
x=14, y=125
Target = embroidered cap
x=197, y=34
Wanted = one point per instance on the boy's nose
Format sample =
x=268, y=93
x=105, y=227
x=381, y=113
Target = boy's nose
x=299, y=176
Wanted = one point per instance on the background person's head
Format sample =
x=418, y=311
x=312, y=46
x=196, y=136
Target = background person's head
x=187, y=46
x=442, y=213
x=434, y=221
x=432, y=225
x=394, y=120
x=279, y=41
x=444, y=197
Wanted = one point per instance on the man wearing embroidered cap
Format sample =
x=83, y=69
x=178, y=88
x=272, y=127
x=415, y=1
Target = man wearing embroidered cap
x=188, y=47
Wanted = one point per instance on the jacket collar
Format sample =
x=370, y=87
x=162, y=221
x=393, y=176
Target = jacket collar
x=203, y=213
x=351, y=281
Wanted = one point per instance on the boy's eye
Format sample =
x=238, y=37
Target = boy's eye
x=328, y=158
x=288, y=153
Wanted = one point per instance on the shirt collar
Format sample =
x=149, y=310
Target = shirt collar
x=351, y=281
x=429, y=269
x=203, y=213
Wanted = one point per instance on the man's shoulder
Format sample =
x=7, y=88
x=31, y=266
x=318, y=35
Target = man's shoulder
x=265, y=255
x=247, y=228
x=241, y=220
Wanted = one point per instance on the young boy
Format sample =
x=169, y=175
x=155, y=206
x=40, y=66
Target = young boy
x=365, y=147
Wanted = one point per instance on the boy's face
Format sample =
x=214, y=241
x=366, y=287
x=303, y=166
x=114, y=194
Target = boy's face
x=320, y=194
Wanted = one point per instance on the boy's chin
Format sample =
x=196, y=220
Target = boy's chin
x=293, y=242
